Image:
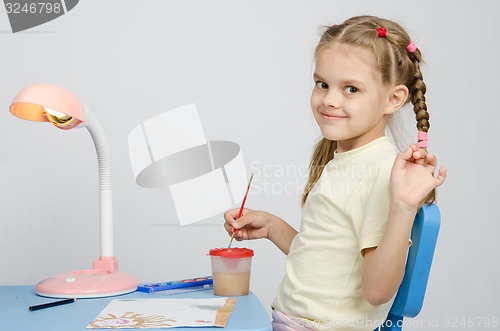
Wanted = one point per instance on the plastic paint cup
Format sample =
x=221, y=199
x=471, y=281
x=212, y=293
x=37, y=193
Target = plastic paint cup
x=231, y=270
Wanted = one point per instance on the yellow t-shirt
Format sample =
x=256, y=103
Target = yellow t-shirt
x=345, y=212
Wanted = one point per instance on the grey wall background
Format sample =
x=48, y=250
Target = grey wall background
x=247, y=65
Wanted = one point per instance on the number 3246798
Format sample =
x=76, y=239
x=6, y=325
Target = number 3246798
x=471, y=322
x=33, y=8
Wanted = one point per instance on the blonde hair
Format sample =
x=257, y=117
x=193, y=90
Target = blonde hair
x=396, y=64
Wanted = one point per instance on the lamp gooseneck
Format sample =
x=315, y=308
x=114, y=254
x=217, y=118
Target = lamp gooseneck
x=95, y=129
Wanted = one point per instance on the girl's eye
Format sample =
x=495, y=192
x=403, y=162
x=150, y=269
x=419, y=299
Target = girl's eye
x=350, y=90
x=321, y=85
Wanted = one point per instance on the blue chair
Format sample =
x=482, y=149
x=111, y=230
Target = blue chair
x=410, y=296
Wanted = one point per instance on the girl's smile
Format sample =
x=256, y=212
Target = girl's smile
x=333, y=117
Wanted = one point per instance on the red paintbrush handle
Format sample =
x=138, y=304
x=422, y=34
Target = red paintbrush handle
x=244, y=200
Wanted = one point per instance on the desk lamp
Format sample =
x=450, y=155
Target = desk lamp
x=54, y=104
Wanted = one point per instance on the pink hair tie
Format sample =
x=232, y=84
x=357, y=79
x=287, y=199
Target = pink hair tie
x=382, y=32
x=422, y=139
x=411, y=47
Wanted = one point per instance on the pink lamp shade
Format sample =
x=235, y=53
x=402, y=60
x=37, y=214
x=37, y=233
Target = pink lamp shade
x=54, y=104
x=43, y=102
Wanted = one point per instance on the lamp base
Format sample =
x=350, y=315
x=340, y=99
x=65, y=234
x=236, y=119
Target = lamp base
x=87, y=284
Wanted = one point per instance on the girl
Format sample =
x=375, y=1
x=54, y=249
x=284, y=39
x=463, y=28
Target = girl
x=346, y=263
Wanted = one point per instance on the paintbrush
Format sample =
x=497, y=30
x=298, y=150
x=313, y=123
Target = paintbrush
x=241, y=209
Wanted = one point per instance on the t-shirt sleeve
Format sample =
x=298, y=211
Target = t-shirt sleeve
x=376, y=206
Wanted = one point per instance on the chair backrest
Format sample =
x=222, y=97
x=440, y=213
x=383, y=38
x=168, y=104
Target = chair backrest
x=410, y=296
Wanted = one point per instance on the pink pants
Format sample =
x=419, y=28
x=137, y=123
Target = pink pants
x=282, y=322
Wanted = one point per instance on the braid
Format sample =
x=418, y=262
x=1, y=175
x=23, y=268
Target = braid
x=408, y=63
x=417, y=92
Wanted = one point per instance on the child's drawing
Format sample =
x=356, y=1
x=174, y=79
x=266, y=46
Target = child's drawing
x=163, y=313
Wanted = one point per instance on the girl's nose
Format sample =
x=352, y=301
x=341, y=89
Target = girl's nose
x=332, y=99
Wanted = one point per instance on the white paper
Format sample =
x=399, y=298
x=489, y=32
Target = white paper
x=158, y=313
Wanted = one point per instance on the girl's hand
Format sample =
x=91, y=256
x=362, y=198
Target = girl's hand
x=253, y=224
x=412, y=176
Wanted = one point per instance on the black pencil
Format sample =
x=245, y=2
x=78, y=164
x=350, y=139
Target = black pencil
x=51, y=304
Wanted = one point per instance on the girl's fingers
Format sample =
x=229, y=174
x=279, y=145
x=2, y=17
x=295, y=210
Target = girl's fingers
x=430, y=162
x=441, y=176
x=419, y=156
x=403, y=157
x=230, y=214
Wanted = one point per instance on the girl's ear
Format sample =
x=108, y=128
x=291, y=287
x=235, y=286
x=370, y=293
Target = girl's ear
x=397, y=98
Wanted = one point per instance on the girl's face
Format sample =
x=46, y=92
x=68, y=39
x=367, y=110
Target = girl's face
x=349, y=100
